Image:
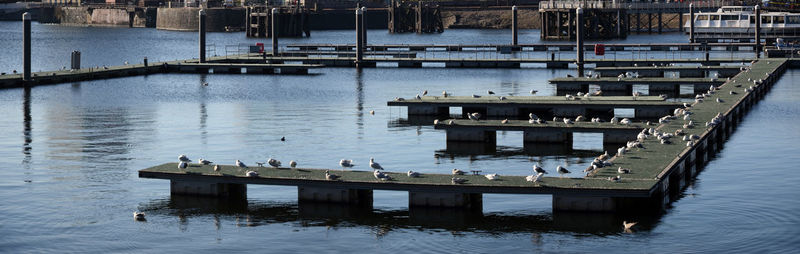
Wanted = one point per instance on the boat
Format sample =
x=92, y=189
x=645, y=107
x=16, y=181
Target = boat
x=738, y=23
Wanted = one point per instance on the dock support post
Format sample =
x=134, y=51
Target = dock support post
x=514, y=41
x=579, y=40
x=26, y=46
x=691, y=23
x=144, y=61
x=202, y=32
x=364, y=27
x=758, y=32
x=359, y=39
x=274, y=27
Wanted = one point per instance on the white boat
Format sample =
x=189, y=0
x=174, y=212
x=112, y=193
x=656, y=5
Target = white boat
x=731, y=22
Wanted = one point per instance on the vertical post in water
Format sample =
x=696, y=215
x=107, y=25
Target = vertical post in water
x=364, y=25
x=579, y=40
x=274, y=33
x=691, y=23
x=26, y=46
x=202, y=31
x=514, y=25
x=359, y=39
x=758, y=32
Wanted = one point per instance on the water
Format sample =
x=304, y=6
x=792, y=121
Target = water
x=70, y=154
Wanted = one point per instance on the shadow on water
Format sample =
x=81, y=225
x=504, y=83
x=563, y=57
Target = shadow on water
x=360, y=101
x=311, y=214
x=27, y=131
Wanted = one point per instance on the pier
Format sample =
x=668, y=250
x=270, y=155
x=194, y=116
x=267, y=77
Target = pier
x=671, y=71
x=550, y=132
x=657, y=172
x=521, y=106
x=625, y=84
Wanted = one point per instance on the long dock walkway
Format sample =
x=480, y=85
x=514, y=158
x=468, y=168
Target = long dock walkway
x=521, y=106
x=549, y=132
x=670, y=71
x=526, y=47
x=625, y=84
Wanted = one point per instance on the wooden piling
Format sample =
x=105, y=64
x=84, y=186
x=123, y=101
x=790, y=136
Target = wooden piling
x=26, y=46
x=274, y=33
x=579, y=39
x=202, y=33
x=514, y=25
x=691, y=23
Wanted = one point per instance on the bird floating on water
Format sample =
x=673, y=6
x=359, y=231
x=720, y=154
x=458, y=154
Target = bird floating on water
x=534, y=91
x=240, y=164
x=283, y=138
x=292, y=164
x=412, y=174
x=184, y=158
x=138, y=216
x=204, y=161
x=374, y=165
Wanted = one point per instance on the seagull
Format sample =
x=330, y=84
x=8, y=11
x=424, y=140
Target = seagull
x=720, y=100
x=628, y=225
x=372, y=112
x=292, y=164
x=534, y=91
x=491, y=92
x=205, y=83
x=568, y=121
x=580, y=118
x=413, y=174
x=217, y=168
x=625, y=121
x=492, y=177
x=240, y=164
x=614, y=178
x=184, y=158
x=274, y=163
x=505, y=121
x=457, y=180
x=418, y=97
x=457, y=171
x=476, y=96
x=533, y=178
x=569, y=97
x=374, y=165
x=252, y=174
x=502, y=98
x=623, y=170
x=138, y=216
x=424, y=92
x=621, y=151
x=538, y=170
x=182, y=165
x=562, y=170
x=346, y=163
x=444, y=94
x=614, y=120
x=603, y=156
x=533, y=116
x=472, y=117
x=204, y=162
x=569, y=76
x=330, y=177
x=380, y=175
x=283, y=138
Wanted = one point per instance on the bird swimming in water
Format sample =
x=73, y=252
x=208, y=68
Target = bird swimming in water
x=492, y=177
x=562, y=170
x=274, y=163
x=252, y=174
x=292, y=164
x=412, y=174
x=346, y=163
x=623, y=170
x=240, y=164
x=138, y=216
x=217, y=168
x=205, y=83
x=184, y=158
x=283, y=138
x=372, y=112
x=374, y=165
x=204, y=162
x=329, y=176
x=533, y=178
x=456, y=180
x=457, y=171
x=182, y=165
x=539, y=170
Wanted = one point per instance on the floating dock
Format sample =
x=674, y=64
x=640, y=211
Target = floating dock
x=671, y=71
x=459, y=130
x=545, y=106
x=626, y=84
x=526, y=47
x=657, y=172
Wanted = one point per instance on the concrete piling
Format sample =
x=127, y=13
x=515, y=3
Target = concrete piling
x=202, y=33
x=26, y=46
x=579, y=40
x=514, y=27
x=359, y=39
x=691, y=23
x=274, y=33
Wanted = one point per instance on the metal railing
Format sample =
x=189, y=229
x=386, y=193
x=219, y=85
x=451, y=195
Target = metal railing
x=599, y=4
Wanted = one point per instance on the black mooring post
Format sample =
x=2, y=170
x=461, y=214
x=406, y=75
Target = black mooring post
x=579, y=40
x=359, y=39
x=691, y=23
x=364, y=25
x=758, y=32
x=514, y=25
x=202, y=32
x=274, y=34
x=26, y=46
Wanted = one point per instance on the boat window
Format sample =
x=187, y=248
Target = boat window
x=766, y=20
x=778, y=19
x=702, y=17
x=730, y=17
x=714, y=17
x=793, y=20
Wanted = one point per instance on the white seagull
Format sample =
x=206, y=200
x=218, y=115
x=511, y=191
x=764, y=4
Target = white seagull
x=252, y=174
x=346, y=163
x=539, y=170
x=273, y=162
x=182, y=165
x=533, y=178
x=623, y=170
x=240, y=164
x=562, y=170
x=492, y=177
x=184, y=158
x=380, y=175
x=374, y=165
x=457, y=171
x=330, y=177
x=217, y=168
x=457, y=180
x=292, y=164
x=204, y=162
x=413, y=174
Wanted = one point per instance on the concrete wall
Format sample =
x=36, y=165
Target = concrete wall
x=110, y=17
x=87, y=16
x=185, y=19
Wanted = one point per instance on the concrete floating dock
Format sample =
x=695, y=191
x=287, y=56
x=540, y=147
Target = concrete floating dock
x=671, y=71
x=550, y=132
x=657, y=172
x=528, y=47
x=191, y=67
x=521, y=106
x=625, y=84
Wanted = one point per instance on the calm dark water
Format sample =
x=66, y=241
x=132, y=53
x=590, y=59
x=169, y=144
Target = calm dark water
x=69, y=156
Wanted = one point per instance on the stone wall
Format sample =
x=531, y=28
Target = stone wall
x=186, y=19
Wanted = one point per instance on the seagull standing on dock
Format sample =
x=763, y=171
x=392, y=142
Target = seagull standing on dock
x=623, y=170
x=274, y=163
x=424, y=92
x=621, y=151
x=374, y=165
x=472, y=117
x=444, y=94
x=538, y=170
x=330, y=177
x=293, y=164
x=240, y=164
x=204, y=162
x=534, y=92
x=457, y=171
x=412, y=174
x=491, y=92
x=562, y=170
x=183, y=158
x=182, y=165
x=492, y=177
x=346, y=163
x=217, y=168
